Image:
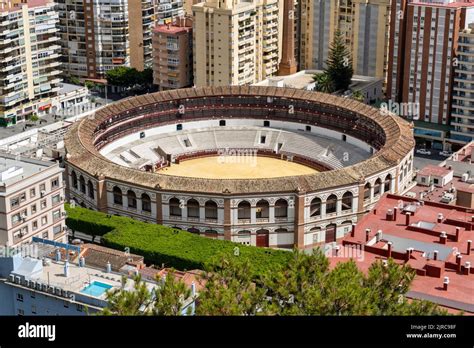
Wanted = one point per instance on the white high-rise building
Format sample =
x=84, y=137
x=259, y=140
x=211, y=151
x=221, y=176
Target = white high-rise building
x=29, y=59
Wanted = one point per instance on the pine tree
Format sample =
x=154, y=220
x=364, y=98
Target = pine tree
x=134, y=301
x=339, y=64
x=230, y=289
x=171, y=296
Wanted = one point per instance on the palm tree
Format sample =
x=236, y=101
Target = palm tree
x=323, y=83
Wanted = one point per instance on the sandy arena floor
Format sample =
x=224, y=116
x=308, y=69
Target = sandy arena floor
x=237, y=168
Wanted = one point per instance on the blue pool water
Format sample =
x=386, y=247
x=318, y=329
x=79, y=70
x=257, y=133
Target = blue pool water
x=96, y=289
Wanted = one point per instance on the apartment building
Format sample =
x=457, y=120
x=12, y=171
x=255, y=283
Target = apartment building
x=173, y=54
x=167, y=10
x=31, y=200
x=29, y=52
x=462, y=113
x=363, y=24
x=236, y=42
x=421, y=58
x=100, y=35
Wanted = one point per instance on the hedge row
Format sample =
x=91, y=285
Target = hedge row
x=165, y=245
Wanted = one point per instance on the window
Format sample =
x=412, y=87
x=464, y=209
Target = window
x=43, y=204
x=32, y=295
x=82, y=184
x=90, y=187
x=132, y=199
x=146, y=203
x=43, y=187
x=210, y=210
x=33, y=309
x=14, y=202
x=33, y=209
x=23, y=197
x=74, y=180
x=262, y=139
x=222, y=123
x=175, y=208
x=57, y=229
x=179, y=127
x=331, y=204
x=34, y=225
x=244, y=211
x=266, y=123
x=21, y=312
x=56, y=199
x=315, y=208
x=79, y=307
x=45, y=235
x=55, y=183
x=56, y=215
x=19, y=297
x=117, y=192
x=308, y=128
x=193, y=208
x=16, y=218
x=66, y=304
x=44, y=220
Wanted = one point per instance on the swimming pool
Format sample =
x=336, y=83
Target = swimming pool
x=96, y=289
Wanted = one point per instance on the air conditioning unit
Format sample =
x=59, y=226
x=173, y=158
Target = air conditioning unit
x=51, y=289
x=11, y=277
x=27, y=283
x=44, y=287
x=43, y=193
x=57, y=291
x=39, y=286
x=17, y=280
x=32, y=284
x=64, y=213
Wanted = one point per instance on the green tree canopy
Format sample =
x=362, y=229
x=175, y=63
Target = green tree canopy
x=230, y=289
x=339, y=64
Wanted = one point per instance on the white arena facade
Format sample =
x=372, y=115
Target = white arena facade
x=264, y=166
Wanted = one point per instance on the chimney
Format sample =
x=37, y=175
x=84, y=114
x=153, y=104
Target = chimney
x=66, y=269
x=288, y=62
x=440, y=217
x=435, y=254
x=395, y=209
x=367, y=233
x=407, y=219
x=353, y=230
x=378, y=236
x=469, y=243
x=108, y=267
x=458, y=261
x=445, y=283
x=467, y=268
x=375, y=211
x=389, y=249
x=458, y=231
x=408, y=254
x=389, y=215
x=443, y=237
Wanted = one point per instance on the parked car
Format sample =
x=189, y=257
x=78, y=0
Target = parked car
x=423, y=151
x=445, y=153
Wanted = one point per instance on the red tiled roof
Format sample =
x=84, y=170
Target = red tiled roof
x=430, y=273
x=435, y=170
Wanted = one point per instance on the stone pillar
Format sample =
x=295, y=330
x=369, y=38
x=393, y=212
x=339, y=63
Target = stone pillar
x=253, y=214
x=338, y=206
x=271, y=213
x=299, y=222
x=227, y=219
x=323, y=210
x=202, y=213
x=101, y=194
x=159, y=209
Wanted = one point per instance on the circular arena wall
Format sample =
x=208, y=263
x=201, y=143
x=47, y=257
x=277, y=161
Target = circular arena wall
x=301, y=210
